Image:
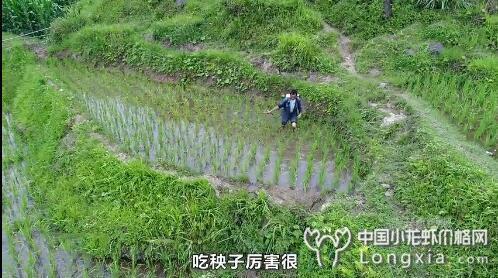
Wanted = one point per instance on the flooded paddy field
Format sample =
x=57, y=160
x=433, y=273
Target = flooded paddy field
x=203, y=149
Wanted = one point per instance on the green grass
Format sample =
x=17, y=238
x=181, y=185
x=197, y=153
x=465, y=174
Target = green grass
x=23, y=16
x=459, y=82
x=472, y=105
x=179, y=30
x=297, y=52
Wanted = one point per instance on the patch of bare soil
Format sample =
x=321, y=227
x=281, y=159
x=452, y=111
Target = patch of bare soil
x=392, y=114
x=189, y=47
x=374, y=72
x=347, y=55
x=65, y=54
x=40, y=51
x=264, y=65
x=321, y=78
x=192, y=47
x=162, y=78
x=38, y=48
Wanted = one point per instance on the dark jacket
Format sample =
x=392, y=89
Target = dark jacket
x=285, y=106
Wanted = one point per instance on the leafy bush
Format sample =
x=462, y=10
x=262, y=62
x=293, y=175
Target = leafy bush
x=117, y=11
x=179, y=29
x=445, y=4
x=492, y=31
x=448, y=33
x=453, y=58
x=485, y=68
x=62, y=27
x=365, y=19
x=296, y=52
x=248, y=23
x=23, y=16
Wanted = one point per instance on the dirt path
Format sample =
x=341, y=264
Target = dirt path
x=432, y=118
x=348, y=60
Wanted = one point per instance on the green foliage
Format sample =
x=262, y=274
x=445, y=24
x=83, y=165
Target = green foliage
x=63, y=26
x=120, y=11
x=23, y=16
x=364, y=19
x=14, y=61
x=447, y=185
x=297, y=52
x=439, y=182
x=456, y=32
x=445, y=4
x=249, y=23
x=40, y=112
x=485, y=68
x=471, y=104
x=491, y=29
x=448, y=33
x=179, y=29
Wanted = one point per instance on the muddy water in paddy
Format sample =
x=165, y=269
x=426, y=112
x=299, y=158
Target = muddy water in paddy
x=206, y=150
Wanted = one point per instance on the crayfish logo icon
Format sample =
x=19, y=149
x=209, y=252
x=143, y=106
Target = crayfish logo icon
x=340, y=240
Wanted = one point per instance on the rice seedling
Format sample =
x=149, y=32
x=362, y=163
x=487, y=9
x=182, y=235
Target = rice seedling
x=11, y=249
x=133, y=251
x=262, y=165
x=323, y=168
x=309, y=171
x=278, y=163
x=116, y=263
x=310, y=164
x=293, y=166
x=212, y=155
x=239, y=152
x=84, y=272
x=31, y=266
x=340, y=165
x=227, y=147
x=52, y=272
x=248, y=159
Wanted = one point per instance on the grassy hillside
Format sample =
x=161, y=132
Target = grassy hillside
x=110, y=120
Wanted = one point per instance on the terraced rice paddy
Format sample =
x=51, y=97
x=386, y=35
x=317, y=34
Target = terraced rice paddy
x=211, y=131
x=28, y=249
x=203, y=149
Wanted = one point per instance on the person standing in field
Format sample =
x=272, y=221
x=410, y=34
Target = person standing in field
x=291, y=109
